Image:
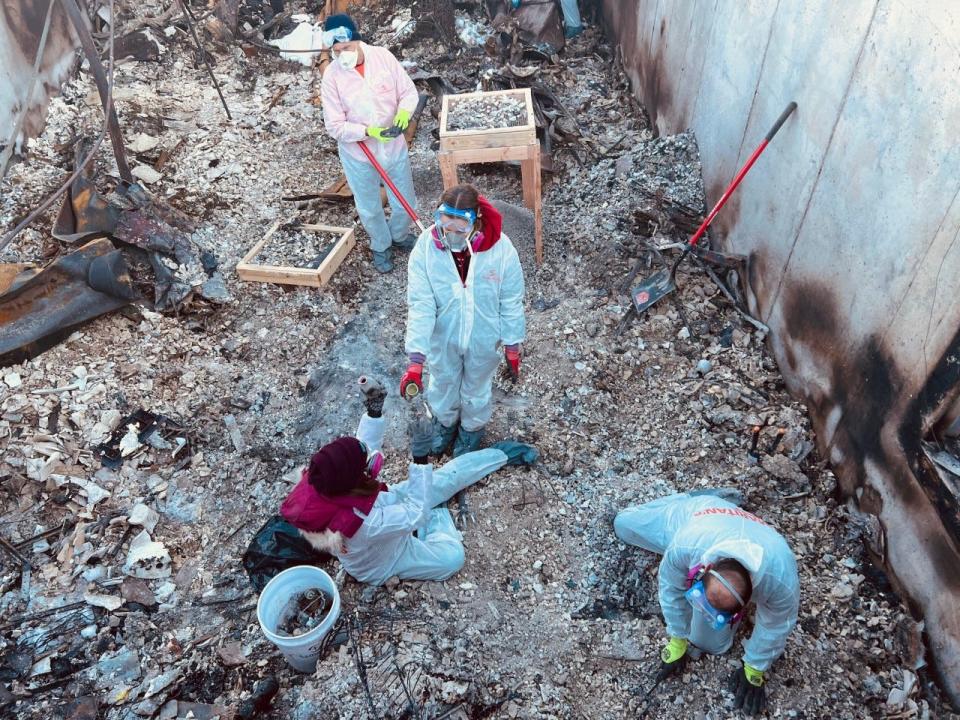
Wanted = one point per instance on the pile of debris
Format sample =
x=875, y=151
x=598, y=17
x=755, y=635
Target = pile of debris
x=499, y=111
x=140, y=453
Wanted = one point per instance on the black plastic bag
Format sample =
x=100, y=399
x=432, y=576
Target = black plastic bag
x=278, y=545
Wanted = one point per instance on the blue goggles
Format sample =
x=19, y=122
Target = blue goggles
x=336, y=35
x=717, y=619
x=467, y=218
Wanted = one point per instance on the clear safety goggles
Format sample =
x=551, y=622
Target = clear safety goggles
x=337, y=35
x=451, y=219
x=717, y=619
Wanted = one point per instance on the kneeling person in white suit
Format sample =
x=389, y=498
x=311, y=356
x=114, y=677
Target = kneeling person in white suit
x=378, y=530
x=717, y=560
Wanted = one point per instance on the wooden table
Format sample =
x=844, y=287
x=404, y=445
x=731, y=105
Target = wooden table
x=462, y=147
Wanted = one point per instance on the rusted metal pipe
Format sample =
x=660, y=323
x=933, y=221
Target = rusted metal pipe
x=100, y=78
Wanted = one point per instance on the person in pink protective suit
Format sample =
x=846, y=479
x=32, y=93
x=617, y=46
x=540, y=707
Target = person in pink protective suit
x=365, y=91
x=378, y=530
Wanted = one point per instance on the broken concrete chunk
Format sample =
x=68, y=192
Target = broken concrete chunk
x=108, y=602
x=143, y=516
x=136, y=590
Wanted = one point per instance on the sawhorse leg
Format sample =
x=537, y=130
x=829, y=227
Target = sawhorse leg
x=530, y=171
x=448, y=170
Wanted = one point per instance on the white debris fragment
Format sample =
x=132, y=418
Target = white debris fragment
x=472, y=32
x=143, y=516
x=146, y=173
x=94, y=492
x=147, y=559
x=42, y=667
x=305, y=36
x=109, y=602
x=12, y=380
x=130, y=442
x=142, y=143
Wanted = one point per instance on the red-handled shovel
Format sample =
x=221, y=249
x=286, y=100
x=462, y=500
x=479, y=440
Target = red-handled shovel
x=664, y=282
x=393, y=188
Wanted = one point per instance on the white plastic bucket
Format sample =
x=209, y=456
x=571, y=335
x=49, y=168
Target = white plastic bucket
x=301, y=651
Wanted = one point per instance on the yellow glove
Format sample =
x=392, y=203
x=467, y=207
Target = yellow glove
x=674, y=650
x=673, y=658
x=402, y=119
x=377, y=132
x=754, y=676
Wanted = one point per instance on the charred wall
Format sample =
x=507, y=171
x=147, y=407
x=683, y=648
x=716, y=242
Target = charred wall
x=850, y=220
x=21, y=28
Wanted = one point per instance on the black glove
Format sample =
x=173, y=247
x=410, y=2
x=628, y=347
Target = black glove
x=517, y=453
x=750, y=698
x=373, y=396
x=671, y=668
x=421, y=439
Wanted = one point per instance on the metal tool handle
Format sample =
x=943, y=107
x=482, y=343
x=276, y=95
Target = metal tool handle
x=740, y=175
x=389, y=183
x=780, y=121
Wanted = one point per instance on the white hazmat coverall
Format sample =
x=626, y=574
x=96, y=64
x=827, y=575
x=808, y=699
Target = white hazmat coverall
x=385, y=545
x=460, y=326
x=689, y=530
x=353, y=102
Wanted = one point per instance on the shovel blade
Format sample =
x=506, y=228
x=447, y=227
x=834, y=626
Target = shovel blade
x=652, y=289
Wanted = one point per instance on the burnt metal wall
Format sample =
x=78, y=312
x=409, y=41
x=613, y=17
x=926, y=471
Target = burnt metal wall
x=850, y=220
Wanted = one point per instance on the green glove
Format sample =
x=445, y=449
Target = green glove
x=377, y=132
x=674, y=650
x=402, y=119
x=673, y=658
x=753, y=675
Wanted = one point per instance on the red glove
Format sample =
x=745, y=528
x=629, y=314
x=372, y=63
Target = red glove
x=512, y=354
x=413, y=376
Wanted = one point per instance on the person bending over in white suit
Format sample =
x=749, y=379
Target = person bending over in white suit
x=717, y=560
x=378, y=530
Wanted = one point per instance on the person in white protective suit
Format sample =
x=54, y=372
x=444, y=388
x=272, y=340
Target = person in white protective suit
x=464, y=303
x=378, y=530
x=365, y=92
x=717, y=560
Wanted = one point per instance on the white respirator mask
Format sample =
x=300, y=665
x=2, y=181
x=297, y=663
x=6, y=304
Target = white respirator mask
x=347, y=58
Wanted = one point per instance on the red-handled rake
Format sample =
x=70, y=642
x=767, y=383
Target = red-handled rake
x=664, y=282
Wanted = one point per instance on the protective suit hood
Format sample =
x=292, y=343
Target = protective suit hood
x=747, y=553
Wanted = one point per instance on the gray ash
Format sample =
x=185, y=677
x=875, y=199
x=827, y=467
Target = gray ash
x=481, y=113
x=296, y=248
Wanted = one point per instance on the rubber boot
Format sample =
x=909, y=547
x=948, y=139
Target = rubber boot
x=442, y=437
x=467, y=441
x=406, y=243
x=382, y=261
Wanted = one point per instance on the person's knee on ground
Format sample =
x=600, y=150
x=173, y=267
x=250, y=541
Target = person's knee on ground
x=454, y=557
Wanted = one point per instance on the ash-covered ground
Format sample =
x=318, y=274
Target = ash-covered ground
x=551, y=616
